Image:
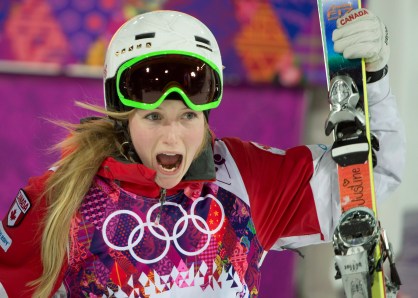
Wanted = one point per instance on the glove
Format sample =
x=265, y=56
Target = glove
x=361, y=34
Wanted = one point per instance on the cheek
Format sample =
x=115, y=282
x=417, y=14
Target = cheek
x=196, y=141
x=142, y=142
x=139, y=143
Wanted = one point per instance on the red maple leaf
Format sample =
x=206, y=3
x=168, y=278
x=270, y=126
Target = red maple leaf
x=13, y=215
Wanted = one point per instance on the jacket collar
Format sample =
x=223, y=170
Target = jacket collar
x=139, y=179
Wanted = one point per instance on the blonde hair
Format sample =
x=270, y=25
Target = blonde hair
x=83, y=151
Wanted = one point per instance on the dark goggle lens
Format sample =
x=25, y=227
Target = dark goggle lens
x=147, y=80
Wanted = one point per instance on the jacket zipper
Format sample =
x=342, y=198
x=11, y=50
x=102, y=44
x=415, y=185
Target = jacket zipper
x=163, y=194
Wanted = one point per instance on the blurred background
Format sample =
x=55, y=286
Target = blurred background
x=52, y=51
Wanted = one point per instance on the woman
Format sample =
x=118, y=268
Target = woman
x=146, y=201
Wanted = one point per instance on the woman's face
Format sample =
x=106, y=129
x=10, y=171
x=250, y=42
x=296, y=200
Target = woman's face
x=167, y=139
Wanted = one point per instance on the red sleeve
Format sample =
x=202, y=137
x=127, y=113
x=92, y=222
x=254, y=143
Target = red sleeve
x=277, y=182
x=20, y=240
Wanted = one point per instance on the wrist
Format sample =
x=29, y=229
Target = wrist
x=374, y=76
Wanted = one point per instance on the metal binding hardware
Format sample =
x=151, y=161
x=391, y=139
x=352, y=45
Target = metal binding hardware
x=355, y=239
x=344, y=98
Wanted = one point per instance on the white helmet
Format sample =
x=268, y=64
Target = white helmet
x=158, y=33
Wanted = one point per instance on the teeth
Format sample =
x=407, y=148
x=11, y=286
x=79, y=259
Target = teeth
x=168, y=170
x=169, y=162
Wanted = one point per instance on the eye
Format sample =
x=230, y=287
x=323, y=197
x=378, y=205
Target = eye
x=189, y=115
x=153, y=116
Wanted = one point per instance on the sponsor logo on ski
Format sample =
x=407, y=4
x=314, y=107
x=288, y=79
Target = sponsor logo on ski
x=354, y=267
x=337, y=11
x=353, y=16
x=355, y=186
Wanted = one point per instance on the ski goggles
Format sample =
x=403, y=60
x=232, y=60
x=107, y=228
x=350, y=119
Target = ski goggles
x=146, y=81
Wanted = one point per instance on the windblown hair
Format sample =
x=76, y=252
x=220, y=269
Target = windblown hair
x=88, y=145
x=83, y=152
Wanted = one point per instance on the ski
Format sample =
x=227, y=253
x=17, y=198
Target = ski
x=360, y=244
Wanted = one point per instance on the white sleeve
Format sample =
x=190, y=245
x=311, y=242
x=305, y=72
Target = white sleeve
x=388, y=128
x=3, y=291
x=386, y=124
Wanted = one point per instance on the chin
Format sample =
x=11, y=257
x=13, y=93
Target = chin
x=167, y=183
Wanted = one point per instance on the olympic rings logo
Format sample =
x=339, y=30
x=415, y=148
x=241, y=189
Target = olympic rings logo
x=163, y=234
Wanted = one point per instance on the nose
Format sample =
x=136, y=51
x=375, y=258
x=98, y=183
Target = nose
x=171, y=133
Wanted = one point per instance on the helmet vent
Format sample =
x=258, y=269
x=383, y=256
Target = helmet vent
x=145, y=35
x=206, y=48
x=203, y=40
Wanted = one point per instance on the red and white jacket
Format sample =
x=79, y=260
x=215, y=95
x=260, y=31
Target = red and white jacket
x=213, y=234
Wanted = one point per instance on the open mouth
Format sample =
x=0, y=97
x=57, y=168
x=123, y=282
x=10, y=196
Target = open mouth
x=169, y=162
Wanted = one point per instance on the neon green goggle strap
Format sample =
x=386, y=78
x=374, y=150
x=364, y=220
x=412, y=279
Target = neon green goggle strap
x=150, y=106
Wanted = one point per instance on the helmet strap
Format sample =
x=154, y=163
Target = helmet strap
x=127, y=149
x=206, y=113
